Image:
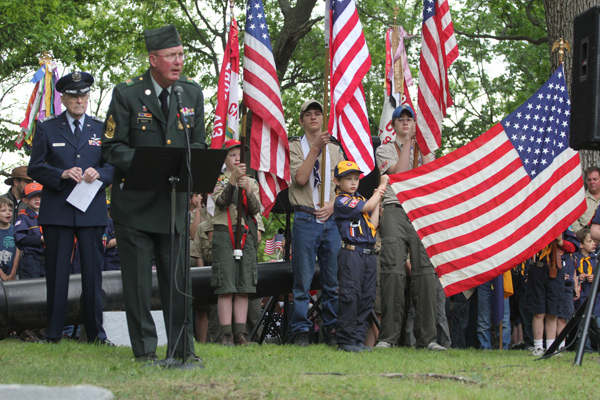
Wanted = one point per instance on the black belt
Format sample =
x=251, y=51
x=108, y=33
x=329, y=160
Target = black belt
x=307, y=210
x=361, y=248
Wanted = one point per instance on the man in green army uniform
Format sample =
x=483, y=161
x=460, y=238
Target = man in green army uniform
x=143, y=112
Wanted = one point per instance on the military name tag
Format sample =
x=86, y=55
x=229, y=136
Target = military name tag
x=58, y=144
x=144, y=118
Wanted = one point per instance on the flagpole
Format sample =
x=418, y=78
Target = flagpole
x=237, y=251
x=325, y=105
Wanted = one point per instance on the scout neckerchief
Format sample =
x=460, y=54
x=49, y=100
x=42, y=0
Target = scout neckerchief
x=585, y=260
x=365, y=214
x=314, y=180
x=230, y=224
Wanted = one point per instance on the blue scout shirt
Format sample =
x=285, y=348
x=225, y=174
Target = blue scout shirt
x=353, y=226
x=28, y=235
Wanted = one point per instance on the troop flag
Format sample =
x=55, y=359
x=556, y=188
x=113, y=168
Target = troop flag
x=350, y=62
x=227, y=110
x=268, y=143
x=396, y=67
x=438, y=52
x=43, y=102
x=498, y=200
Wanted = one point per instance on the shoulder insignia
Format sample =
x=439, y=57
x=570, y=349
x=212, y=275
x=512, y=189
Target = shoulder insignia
x=294, y=139
x=190, y=79
x=133, y=81
x=110, y=128
x=97, y=119
x=48, y=118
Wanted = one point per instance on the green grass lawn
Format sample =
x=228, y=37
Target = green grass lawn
x=315, y=372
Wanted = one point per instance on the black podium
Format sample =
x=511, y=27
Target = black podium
x=175, y=169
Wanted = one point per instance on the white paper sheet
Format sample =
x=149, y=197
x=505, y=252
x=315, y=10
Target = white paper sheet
x=83, y=194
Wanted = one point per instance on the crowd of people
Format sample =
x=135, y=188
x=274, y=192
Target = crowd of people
x=373, y=266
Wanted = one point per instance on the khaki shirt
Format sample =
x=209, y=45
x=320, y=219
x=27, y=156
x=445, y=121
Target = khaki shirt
x=387, y=156
x=201, y=247
x=301, y=195
x=587, y=216
x=220, y=216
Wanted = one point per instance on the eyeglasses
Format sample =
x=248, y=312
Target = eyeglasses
x=405, y=119
x=172, y=57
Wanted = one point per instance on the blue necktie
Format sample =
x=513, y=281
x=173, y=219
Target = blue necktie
x=77, y=130
x=316, y=173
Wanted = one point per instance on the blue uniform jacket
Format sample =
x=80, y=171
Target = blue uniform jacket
x=349, y=218
x=28, y=235
x=54, y=151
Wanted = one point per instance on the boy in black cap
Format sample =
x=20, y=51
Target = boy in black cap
x=357, y=220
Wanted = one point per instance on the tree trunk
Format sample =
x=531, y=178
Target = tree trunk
x=559, y=17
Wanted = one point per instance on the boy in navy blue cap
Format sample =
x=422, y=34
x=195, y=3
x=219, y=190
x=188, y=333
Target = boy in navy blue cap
x=357, y=220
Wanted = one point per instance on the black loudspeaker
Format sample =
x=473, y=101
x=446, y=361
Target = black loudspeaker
x=585, y=87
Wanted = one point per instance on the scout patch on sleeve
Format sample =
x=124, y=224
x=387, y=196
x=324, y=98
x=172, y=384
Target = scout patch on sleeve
x=110, y=128
x=383, y=165
x=353, y=203
x=344, y=200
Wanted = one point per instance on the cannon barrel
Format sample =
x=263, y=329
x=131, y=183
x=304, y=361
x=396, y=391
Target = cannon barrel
x=23, y=302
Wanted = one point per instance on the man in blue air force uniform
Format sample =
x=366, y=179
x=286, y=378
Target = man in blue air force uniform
x=67, y=150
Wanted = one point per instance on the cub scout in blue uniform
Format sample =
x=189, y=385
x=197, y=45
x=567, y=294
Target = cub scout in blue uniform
x=357, y=220
x=66, y=151
x=28, y=235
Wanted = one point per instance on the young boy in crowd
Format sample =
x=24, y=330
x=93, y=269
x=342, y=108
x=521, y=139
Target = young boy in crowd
x=234, y=278
x=28, y=235
x=8, y=251
x=585, y=263
x=545, y=286
x=357, y=220
x=109, y=240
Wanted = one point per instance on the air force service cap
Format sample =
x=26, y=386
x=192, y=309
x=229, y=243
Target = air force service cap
x=75, y=83
x=162, y=38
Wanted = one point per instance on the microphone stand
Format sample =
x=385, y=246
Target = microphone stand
x=169, y=362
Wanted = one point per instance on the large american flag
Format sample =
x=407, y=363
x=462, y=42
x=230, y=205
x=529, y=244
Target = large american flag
x=268, y=143
x=350, y=62
x=496, y=201
x=438, y=52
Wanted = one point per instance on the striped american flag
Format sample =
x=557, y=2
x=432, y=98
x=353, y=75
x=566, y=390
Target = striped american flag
x=498, y=200
x=350, y=62
x=438, y=52
x=268, y=143
x=274, y=243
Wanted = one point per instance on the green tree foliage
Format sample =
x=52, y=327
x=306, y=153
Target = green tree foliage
x=503, y=60
x=503, y=49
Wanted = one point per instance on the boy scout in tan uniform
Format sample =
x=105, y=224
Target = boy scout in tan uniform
x=314, y=233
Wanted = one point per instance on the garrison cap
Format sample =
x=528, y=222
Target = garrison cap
x=162, y=38
x=75, y=83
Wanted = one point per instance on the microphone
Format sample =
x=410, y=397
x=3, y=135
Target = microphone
x=178, y=95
